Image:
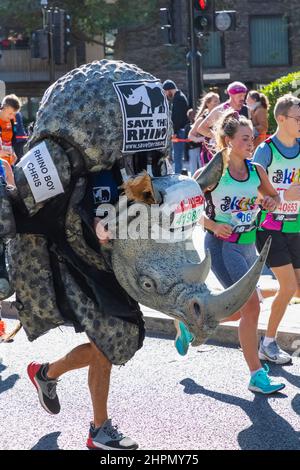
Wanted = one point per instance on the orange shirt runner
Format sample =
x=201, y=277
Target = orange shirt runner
x=6, y=134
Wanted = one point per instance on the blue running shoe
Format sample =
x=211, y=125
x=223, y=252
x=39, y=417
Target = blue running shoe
x=183, y=338
x=273, y=353
x=261, y=382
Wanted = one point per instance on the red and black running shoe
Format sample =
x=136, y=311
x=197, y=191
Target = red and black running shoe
x=46, y=387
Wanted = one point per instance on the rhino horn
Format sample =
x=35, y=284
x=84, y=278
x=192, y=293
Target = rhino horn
x=210, y=175
x=197, y=272
x=231, y=300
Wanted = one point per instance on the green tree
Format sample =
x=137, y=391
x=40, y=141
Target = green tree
x=288, y=84
x=89, y=17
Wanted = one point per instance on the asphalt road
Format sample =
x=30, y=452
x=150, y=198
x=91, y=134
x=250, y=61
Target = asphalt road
x=160, y=399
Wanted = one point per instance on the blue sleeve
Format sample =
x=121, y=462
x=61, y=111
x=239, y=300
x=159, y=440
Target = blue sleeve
x=263, y=155
x=20, y=129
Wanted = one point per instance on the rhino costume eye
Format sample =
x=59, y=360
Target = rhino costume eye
x=148, y=284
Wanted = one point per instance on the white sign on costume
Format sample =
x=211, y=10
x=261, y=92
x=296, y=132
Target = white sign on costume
x=145, y=115
x=41, y=173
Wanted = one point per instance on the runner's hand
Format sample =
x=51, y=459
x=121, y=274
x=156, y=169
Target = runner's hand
x=293, y=193
x=3, y=153
x=223, y=230
x=268, y=203
x=103, y=235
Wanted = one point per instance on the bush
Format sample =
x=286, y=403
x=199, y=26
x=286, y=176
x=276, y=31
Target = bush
x=288, y=84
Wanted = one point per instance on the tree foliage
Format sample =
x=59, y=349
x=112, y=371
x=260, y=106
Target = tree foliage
x=89, y=17
x=288, y=84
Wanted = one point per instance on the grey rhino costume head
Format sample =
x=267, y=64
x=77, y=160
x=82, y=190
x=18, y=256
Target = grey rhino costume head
x=82, y=127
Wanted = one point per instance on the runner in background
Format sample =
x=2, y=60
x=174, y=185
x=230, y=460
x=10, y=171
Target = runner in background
x=6, y=177
x=279, y=157
x=237, y=94
x=179, y=109
x=258, y=104
x=194, y=145
x=230, y=223
x=9, y=107
x=209, y=102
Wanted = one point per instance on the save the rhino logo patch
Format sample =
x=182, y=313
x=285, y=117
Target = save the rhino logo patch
x=101, y=194
x=145, y=115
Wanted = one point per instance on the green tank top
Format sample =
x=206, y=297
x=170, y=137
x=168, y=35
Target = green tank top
x=282, y=172
x=233, y=202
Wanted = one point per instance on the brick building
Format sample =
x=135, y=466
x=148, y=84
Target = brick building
x=264, y=46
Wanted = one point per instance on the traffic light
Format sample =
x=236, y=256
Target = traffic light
x=40, y=44
x=203, y=16
x=68, y=40
x=172, y=25
x=61, y=28
x=166, y=26
x=58, y=29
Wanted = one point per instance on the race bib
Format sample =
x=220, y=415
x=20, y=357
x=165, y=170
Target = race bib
x=41, y=173
x=185, y=202
x=288, y=210
x=243, y=221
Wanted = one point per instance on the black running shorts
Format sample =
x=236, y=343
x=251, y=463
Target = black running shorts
x=285, y=248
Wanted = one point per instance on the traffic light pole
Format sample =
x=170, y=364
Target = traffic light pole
x=194, y=63
x=51, y=49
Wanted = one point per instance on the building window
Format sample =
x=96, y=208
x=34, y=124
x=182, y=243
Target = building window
x=213, y=51
x=269, y=40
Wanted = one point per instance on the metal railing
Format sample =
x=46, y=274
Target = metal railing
x=16, y=65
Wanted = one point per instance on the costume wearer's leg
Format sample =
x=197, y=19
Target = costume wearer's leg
x=2, y=323
x=44, y=376
x=99, y=378
x=5, y=288
x=194, y=159
x=287, y=287
x=79, y=357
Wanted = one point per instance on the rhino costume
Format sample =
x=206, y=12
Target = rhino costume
x=107, y=115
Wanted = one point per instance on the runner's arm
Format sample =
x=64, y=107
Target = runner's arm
x=9, y=176
x=194, y=135
x=270, y=197
x=205, y=126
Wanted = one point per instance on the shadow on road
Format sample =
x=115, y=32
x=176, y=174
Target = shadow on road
x=268, y=429
x=296, y=403
x=9, y=382
x=48, y=442
x=279, y=371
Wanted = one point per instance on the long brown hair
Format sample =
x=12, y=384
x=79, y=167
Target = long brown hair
x=259, y=97
x=227, y=126
x=204, y=102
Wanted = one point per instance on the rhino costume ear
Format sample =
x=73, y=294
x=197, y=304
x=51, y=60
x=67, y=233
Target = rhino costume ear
x=197, y=273
x=210, y=175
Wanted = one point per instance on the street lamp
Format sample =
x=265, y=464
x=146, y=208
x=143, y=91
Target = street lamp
x=44, y=4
